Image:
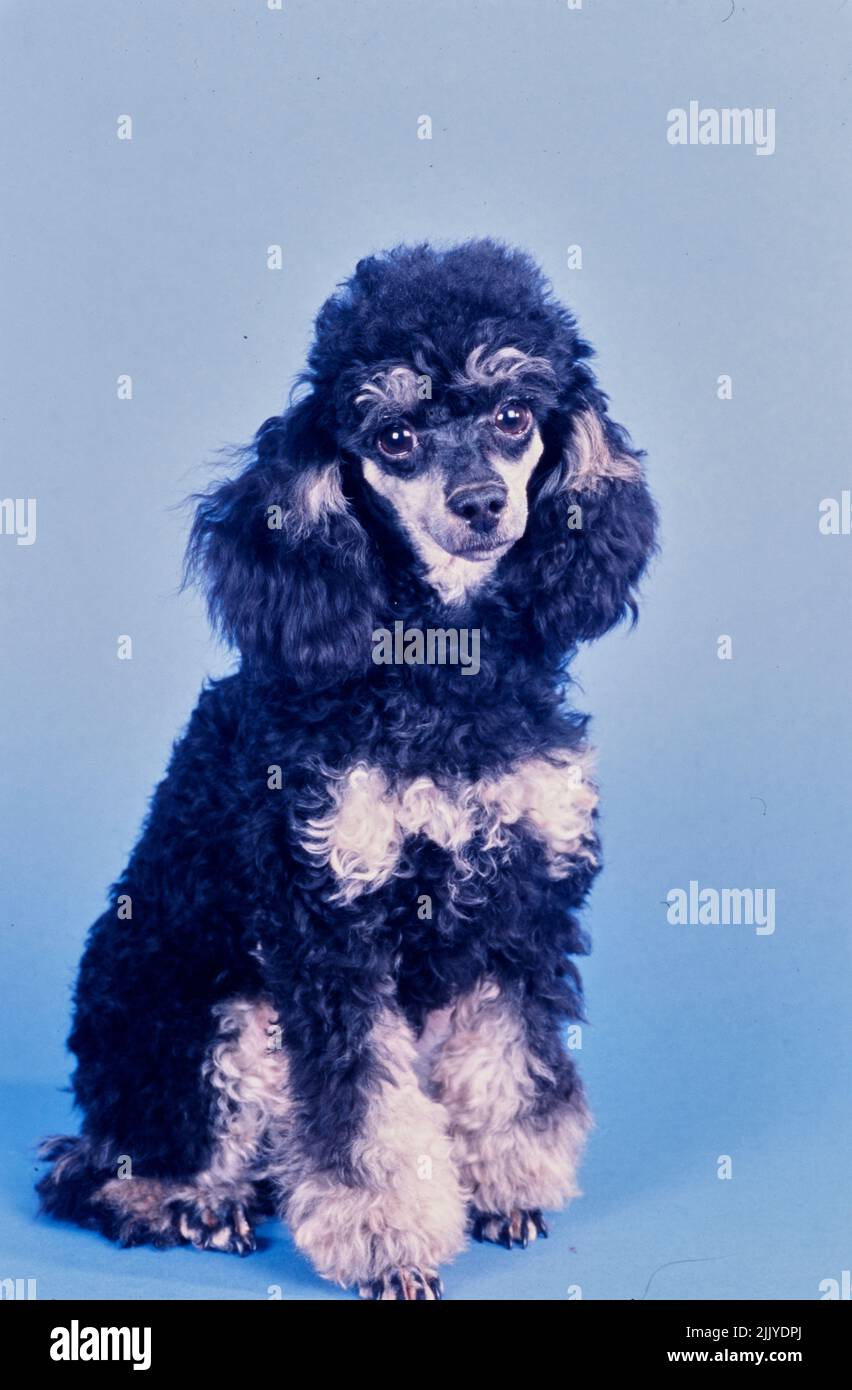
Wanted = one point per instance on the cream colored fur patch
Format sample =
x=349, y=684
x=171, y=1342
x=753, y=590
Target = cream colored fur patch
x=362, y=836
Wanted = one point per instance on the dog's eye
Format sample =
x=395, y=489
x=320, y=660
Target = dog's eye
x=397, y=441
x=513, y=418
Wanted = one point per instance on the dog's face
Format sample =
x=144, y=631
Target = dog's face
x=450, y=399
x=460, y=485
x=454, y=473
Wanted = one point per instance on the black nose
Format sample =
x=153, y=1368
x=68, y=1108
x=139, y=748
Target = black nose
x=479, y=504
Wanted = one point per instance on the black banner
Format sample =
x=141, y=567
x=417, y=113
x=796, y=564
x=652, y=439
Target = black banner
x=250, y=1337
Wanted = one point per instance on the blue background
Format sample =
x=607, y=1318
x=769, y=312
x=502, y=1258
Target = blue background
x=254, y=127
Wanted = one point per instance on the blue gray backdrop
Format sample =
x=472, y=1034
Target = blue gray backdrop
x=255, y=126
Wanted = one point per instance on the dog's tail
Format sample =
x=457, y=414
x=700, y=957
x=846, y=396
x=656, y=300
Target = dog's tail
x=67, y=1188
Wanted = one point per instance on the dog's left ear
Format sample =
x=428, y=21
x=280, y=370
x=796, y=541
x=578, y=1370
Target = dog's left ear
x=290, y=575
x=591, y=530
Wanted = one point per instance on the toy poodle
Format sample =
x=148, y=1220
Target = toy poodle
x=334, y=980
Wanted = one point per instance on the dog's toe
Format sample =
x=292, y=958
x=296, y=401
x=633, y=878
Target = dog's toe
x=518, y=1227
x=225, y=1227
x=404, y=1286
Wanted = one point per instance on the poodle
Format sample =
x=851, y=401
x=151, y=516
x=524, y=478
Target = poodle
x=334, y=980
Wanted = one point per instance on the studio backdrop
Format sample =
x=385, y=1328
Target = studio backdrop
x=185, y=185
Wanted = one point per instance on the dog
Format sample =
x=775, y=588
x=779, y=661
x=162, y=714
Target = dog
x=334, y=979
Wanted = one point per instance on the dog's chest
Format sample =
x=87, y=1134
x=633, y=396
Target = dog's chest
x=369, y=819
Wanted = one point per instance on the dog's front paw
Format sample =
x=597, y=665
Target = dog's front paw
x=223, y=1227
x=518, y=1227
x=404, y=1286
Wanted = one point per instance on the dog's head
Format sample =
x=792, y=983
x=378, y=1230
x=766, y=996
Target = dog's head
x=451, y=434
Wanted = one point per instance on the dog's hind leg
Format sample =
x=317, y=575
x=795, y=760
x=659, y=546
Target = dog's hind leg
x=214, y=1208
x=519, y=1122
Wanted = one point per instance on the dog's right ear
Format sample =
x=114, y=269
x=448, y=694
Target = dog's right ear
x=291, y=577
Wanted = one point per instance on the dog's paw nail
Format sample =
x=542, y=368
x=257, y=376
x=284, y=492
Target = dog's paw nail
x=404, y=1286
x=518, y=1227
x=539, y=1223
x=224, y=1228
